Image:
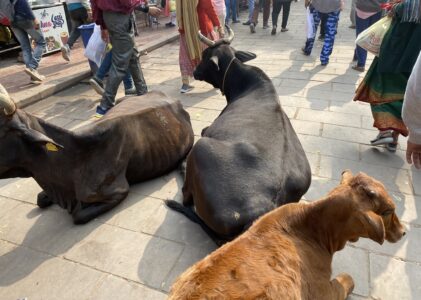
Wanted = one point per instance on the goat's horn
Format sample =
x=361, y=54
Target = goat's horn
x=205, y=40
x=6, y=102
x=230, y=36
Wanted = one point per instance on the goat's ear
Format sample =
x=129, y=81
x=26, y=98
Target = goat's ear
x=374, y=226
x=346, y=176
x=215, y=61
x=244, y=56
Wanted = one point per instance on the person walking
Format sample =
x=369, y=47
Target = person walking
x=97, y=82
x=250, y=4
x=220, y=9
x=24, y=23
x=192, y=16
x=80, y=13
x=285, y=5
x=385, y=83
x=352, y=14
x=367, y=13
x=231, y=10
x=332, y=9
x=256, y=11
x=117, y=25
x=411, y=114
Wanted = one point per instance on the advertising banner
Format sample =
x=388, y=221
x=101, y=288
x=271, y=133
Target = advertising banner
x=53, y=25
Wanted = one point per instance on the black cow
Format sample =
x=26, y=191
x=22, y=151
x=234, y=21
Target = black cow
x=249, y=161
x=89, y=171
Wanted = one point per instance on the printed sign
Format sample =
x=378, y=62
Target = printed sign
x=54, y=26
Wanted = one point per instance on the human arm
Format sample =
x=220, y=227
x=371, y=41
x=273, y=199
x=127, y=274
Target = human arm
x=411, y=114
x=97, y=16
x=152, y=10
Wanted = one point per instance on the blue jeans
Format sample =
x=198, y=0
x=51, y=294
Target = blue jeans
x=251, y=8
x=363, y=24
x=105, y=67
x=23, y=28
x=231, y=7
x=331, y=29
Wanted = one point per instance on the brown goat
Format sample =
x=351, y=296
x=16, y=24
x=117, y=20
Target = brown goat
x=287, y=253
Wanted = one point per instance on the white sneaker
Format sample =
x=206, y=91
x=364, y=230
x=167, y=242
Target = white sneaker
x=35, y=76
x=186, y=88
x=65, y=52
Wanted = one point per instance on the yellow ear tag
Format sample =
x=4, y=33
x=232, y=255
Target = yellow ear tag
x=51, y=147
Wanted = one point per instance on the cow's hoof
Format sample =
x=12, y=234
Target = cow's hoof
x=43, y=201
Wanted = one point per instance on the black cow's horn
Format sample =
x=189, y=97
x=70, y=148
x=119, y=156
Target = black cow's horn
x=6, y=102
x=230, y=36
x=205, y=40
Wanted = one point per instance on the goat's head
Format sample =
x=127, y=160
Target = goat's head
x=217, y=58
x=17, y=139
x=373, y=211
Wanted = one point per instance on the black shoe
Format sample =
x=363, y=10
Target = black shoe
x=273, y=30
x=304, y=52
x=236, y=21
x=247, y=23
x=321, y=37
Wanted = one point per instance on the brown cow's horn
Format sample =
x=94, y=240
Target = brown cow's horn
x=205, y=40
x=6, y=102
x=230, y=36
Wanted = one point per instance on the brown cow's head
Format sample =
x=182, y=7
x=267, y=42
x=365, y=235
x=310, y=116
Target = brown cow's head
x=373, y=211
x=17, y=139
x=217, y=58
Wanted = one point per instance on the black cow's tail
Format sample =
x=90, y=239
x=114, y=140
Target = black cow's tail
x=191, y=214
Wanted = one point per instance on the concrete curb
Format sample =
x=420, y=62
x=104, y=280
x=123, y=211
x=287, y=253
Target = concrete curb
x=33, y=95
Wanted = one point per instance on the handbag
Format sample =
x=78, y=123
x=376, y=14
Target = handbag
x=371, y=38
x=95, y=49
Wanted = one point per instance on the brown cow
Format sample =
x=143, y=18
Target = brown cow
x=287, y=253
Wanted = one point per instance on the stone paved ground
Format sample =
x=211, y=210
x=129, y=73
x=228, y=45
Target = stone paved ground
x=138, y=249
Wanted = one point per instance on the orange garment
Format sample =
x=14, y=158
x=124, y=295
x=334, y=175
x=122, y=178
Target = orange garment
x=208, y=19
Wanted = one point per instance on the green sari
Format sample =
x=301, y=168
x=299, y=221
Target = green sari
x=385, y=82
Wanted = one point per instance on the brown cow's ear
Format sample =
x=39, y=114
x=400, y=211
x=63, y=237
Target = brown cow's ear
x=374, y=226
x=244, y=56
x=215, y=61
x=346, y=176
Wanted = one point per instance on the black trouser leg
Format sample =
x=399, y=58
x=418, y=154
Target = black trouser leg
x=285, y=13
x=277, y=4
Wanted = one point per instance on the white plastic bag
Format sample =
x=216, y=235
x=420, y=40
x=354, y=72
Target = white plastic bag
x=309, y=24
x=96, y=47
x=371, y=38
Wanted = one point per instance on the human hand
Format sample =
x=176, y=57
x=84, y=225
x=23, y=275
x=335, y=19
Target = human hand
x=154, y=11
x=36, y=24
x=89, y=19
x=104, y=35
x=413, y=154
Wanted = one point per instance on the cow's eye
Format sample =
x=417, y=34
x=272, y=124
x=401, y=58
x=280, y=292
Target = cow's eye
x=387, y=212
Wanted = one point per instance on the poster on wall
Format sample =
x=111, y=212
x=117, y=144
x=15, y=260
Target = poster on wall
x=54, y=26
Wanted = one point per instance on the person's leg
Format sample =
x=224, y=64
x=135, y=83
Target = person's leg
x=120, y=31
x=310, y=41
x=251, y=8
x=255, y=16
x=275, y=14
x=352, y=15
x=105, y=65
x=23, y=40
x=79, y=17
x=361, y=54
x=331, y=29
x=285, y=14
x=234, y=11
x=266, y=13
x=228, y=10
x=323, y=18
x=128, y=83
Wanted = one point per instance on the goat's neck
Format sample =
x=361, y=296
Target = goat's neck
x=327, y=221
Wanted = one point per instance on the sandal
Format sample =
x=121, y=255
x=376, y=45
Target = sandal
x=383, y=138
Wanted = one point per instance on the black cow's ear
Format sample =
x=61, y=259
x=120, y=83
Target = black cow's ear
x=215, y=61
x=34, y=136
x=244, y=56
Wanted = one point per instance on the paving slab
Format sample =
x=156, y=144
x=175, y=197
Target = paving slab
x=138, y=249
